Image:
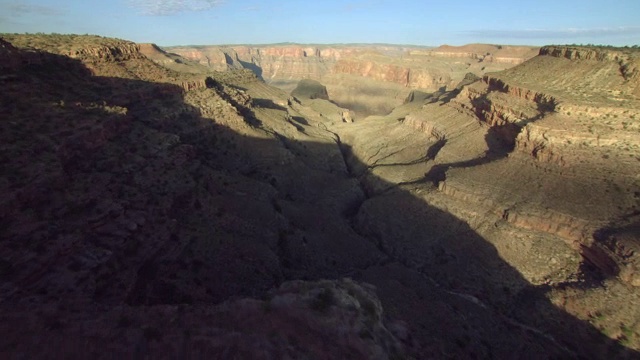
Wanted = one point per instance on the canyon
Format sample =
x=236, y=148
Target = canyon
x=368, y=79
x=173, y=203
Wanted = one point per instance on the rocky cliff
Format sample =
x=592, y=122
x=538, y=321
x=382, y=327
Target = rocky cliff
x=297, y=62
x=485, y=53
x=218, y=59
x=352, y=73
x=117, y=52
x=626, y=59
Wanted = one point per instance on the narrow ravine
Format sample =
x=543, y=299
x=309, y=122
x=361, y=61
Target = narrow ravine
x=347, y=155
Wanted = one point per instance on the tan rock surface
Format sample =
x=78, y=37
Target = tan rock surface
x=369, y=79
x=555, y=191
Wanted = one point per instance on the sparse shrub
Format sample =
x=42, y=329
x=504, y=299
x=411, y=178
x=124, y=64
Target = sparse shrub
x=626, y=331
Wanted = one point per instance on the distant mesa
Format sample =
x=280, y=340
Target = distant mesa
x=310, y=89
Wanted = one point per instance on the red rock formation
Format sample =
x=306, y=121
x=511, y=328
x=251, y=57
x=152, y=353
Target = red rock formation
x=386, y=68
x=216, y=58
x=299, y=62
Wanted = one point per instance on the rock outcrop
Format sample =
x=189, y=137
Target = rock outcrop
x=118, y=52
x=218, y=59
x=316, y=320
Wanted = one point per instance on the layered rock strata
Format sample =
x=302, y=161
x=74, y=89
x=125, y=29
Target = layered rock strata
x=371, y=79
x=553, y=188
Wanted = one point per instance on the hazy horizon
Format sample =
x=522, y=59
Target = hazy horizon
x=412, y=23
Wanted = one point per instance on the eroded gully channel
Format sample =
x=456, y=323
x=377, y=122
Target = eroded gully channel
x=346, y=150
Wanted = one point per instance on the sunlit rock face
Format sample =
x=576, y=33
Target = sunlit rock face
x=541, y=162
x=369, y=79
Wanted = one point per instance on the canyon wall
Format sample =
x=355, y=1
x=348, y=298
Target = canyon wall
x=370, y=79
x=577, y=148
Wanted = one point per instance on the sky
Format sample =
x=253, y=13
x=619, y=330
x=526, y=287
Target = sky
x=430, y=23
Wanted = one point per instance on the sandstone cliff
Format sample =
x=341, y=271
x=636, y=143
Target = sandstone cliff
x=352, y=72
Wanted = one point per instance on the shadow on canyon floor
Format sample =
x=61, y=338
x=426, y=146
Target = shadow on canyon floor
x=222, y=221
x=268, y=104
x=253, y=67
x=500, y=139
x=498, y=148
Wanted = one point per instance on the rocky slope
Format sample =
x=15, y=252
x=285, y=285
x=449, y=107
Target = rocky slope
x=130, y=199
x=162, y=213
x=298, y=320
x=369, y=79
x=541, y=160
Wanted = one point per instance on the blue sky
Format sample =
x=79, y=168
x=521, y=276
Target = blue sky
x=182, y=22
